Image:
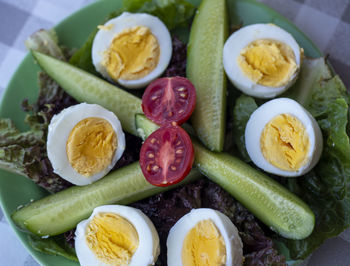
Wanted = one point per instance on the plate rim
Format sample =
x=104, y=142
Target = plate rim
x=18, y=233
x=35, y=254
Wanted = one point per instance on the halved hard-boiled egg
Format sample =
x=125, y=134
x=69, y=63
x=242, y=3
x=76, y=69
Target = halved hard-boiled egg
x=283, y=138
x=117, y=235
x=84, y=142
x=132, y=49
x=204, y=237
x=262, y=60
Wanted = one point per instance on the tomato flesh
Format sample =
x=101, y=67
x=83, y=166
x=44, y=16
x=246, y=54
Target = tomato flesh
x=169, y=100
x=166, y=156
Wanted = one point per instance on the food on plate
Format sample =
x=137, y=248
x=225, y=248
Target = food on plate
x=275, y=206
x=84, y=142
x=324, y=95
x=293, y=218
x=169, y=100
x=165, y=209
x=283, y=138
x=204, y=237
x=262, y=60
x=62, y=211
x=268, y=200
x=166, y=156
x=132, y=49
x=117, y=235
x=205, y=70
x=47, y=42
x=85, y=87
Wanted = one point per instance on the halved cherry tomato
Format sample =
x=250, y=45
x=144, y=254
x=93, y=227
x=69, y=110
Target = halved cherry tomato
x=169, y=100
x=166, y=156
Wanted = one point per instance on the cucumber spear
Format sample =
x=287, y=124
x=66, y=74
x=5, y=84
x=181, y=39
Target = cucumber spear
x=206, y=71
x=272, y=203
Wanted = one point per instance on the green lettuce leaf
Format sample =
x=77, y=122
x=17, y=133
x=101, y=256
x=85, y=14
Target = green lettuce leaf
x=243, y=109
x=312, y=71
x=174, y=13
x=82, y=57
x=326, y=188
x=53, y=246
x=45, y=41
x=16, y=148
x=24, y=153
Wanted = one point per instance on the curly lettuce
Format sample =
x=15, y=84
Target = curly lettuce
x=25, y=152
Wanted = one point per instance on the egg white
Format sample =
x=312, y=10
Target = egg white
x=241, y=39
x=105, y=36
x=263, y=115
x=61, y=126
x=229, y=232
x=148, y=249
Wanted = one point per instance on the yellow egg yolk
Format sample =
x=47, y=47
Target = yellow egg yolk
x=268, y=62
x=204, y=246
x=285, y=143
x=91, y=146
x=133, y=54
x=112, y=238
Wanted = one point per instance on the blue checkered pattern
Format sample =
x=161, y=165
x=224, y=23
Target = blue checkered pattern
x=326, y=22
x=20, y=18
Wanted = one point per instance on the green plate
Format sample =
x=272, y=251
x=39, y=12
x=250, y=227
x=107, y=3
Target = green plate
x=16, y=190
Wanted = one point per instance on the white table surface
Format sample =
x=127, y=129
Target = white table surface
x=326, y=22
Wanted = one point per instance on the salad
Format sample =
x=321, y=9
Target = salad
x=323, y=188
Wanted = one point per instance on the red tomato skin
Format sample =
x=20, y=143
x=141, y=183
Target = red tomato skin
x=169, y=100
x=164, y=152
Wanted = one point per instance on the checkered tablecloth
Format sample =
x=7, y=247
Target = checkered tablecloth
x=326, y=22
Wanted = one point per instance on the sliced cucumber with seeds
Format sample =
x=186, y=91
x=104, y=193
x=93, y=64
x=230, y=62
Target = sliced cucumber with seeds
x=85, y=87
x=62, y=211
x=268, y=200
x=205, y=70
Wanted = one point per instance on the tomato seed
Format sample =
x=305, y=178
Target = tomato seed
x=164, y=94
x=179, y=151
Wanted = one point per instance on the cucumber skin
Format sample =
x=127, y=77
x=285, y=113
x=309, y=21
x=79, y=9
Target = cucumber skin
x=249, y=186
x=268, y=200
x=85, y=87
x=205, y=70
x=60, y=212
